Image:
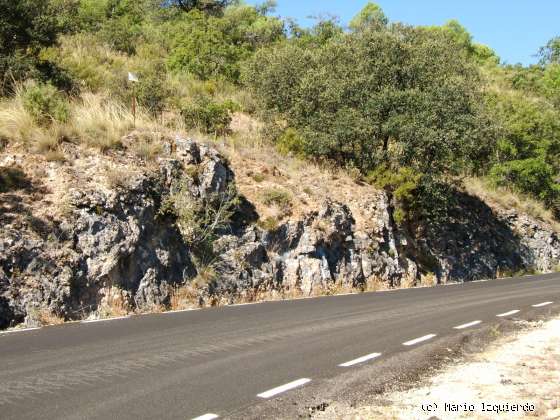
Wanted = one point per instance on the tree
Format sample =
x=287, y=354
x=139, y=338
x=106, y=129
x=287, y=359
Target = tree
x=399, y=96
x=550, y=53
x=370, y=15
x=208, y=6
x=27, y=26
x=214, y=46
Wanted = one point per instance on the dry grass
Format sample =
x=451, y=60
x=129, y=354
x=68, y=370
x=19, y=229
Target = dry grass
x=95, y=121
x=16, y=124
x=101, y=123
x=117, y=177
x=503, y=198
x=115, y=303
x=375, y=284
x=428, y=280
x=47, y=317
x=184, y=297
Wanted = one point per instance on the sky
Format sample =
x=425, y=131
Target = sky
x=515, y=29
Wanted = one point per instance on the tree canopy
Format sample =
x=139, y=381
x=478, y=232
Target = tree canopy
x=399, y=96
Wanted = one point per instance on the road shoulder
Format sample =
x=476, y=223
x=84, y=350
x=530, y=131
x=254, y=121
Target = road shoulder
x=516, y=376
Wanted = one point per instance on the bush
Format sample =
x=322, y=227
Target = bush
x=276, y=197
x=270, y=224
x=410, y=98
x=45, y=103
x=401, y=186
x=209, y=116
x=530, y=176
x=151, y=91
x=291, y=142
x=27, y=26
x=199, y=220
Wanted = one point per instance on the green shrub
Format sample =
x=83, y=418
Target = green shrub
x=276, y=197
x=257, y=177
x=209, y=116
x=199, y=220
x=269, y=224
x=400, y=185
x=12, y=179
x=45, y=103
x=530, y=176
x=291, y=142
x=151, y=91
x=410, y=98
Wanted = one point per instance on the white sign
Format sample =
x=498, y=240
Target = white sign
x=132, y=77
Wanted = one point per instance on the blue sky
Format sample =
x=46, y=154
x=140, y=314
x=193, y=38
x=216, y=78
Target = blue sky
x=515, y=29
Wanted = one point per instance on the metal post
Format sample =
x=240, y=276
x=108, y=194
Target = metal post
x=134, y=104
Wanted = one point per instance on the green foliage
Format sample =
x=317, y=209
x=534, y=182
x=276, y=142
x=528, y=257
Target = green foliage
x=200, y=219
x=45, y=103
x=479, y=53
x=400, y=185
x=202, y=49
x=529, y=128
x=532, y=176
x=414, y=196
x=27, y=26
x=212, y=47
x=399, y=95
x=291, y=142
x=151, y=91
x=550, y=53
x=209, y=116
x=370, y=15
x=276, y=197
x=207, y=6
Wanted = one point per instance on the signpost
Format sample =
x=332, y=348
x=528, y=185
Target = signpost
x=133, y=78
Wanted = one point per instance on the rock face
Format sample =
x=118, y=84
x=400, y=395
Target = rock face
x=120, y=240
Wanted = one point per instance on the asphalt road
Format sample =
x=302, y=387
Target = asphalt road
x=218, y=361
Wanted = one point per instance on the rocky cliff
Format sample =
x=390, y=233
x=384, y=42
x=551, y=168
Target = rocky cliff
x=114, y=246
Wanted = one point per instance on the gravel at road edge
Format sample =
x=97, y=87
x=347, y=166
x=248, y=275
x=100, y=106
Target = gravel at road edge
x=523, y=367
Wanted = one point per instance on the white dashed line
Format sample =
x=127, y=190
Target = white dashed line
x=278, y=390
x=208, y=416
x=20, y=330
x=90, y=321
x=540, y=305
x=515, y=311
x=419, y=340
x=470, y=324
x=360, y=360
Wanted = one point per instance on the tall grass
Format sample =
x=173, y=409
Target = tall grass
x=508, y=199
x=95, y=121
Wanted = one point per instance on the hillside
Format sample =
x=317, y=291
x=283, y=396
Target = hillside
x=254, y=165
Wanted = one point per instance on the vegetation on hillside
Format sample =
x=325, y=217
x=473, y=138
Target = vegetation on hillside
x=414, y=110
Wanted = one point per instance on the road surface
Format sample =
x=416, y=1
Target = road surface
x=214, y=362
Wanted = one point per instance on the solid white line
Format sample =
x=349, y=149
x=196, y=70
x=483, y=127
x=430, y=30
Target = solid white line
x=20, y=330
x=419, y=340
x=177, y=311
x=360, y=360
x=540, y=305
x=208, y=416
x=278, y=390
x=470, y=324
x=90, y=321
x=509, y=313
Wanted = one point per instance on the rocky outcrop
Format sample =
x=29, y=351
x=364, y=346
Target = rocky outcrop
x=477, y=242
x=120, y=242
